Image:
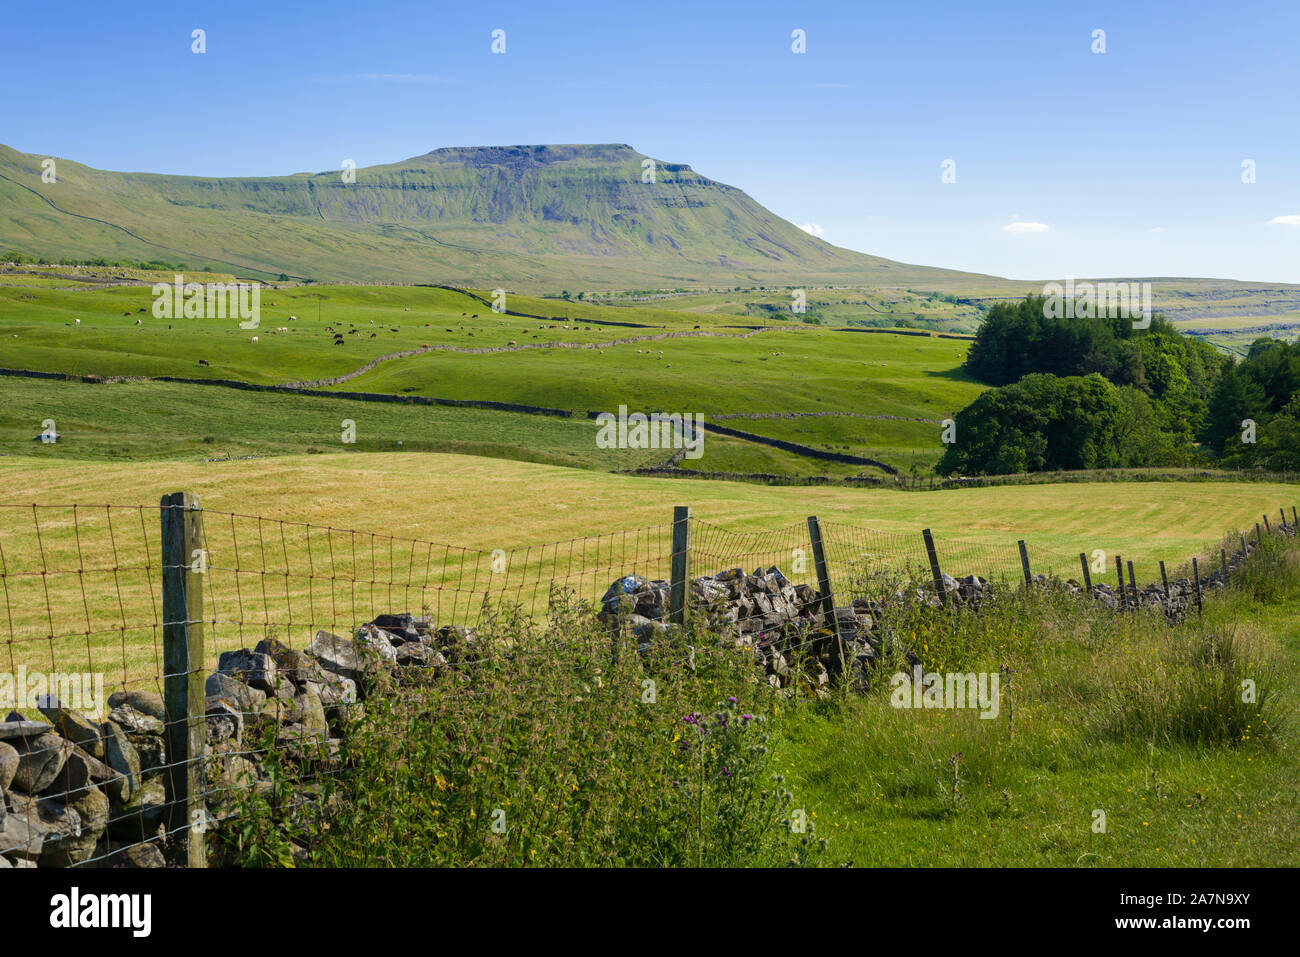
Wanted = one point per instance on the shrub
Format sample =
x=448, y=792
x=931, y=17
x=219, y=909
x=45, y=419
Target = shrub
x=558, y=746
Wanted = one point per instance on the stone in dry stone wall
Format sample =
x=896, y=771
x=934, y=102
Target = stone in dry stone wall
x=8, y=766
x=40, y=759
x=145, y=703
x=79, y=730
x=253, y=668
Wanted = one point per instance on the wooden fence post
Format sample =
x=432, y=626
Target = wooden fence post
x=1024, y=562
x=1119, y=569
x=1295, y=521
x=1281, y=511
x=182, y=605
x=824, y=583
x=935, y=571
x=1087, y=576
x=1132, y=583
x=1223, y=557
x=1259, y=536
x=1243, y=543
x=1164, y=580
x=677, y=595
x=1267, y=527
x=1196, y=578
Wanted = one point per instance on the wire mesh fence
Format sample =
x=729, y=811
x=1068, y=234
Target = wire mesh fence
x=156, y=656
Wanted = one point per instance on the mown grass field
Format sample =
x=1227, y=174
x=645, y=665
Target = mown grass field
x=480, y=503
x=98, y=603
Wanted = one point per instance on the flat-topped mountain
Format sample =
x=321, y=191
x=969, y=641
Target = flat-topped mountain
x=525, y=217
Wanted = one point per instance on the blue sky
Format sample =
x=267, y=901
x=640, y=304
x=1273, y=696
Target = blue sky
x=1067, y=161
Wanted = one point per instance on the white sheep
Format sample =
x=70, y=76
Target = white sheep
x=254, y=338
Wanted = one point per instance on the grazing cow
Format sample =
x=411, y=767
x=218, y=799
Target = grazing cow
x=475, y=316
x=78, y=322
x=512, y=343
x=204, y=362
x=373, y=334
x=293, y=317
x=254, y=338
x=137, y=322
x=338, y=342
x=127, y=313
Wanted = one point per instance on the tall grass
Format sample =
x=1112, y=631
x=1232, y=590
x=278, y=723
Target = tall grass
x=1203, y=687
x=1272, y=574
x=566, y=746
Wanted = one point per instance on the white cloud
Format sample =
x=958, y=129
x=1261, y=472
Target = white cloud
x=1291, y=220
x=1021, y=226
x=1156, y=229
x=812, y=229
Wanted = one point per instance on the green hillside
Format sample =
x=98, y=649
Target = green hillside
x=871, y=396
x=530, y=217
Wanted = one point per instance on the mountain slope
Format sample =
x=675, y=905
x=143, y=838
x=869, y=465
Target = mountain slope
x=524, y=217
